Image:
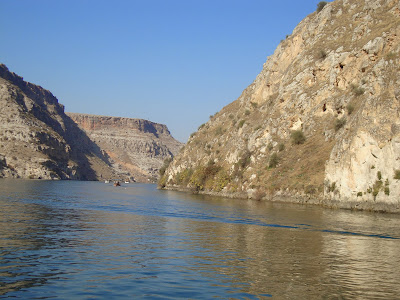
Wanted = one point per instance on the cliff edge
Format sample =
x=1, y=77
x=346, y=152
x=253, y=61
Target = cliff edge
x=320, y=123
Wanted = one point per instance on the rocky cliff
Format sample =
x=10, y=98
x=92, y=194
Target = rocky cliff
x=38, y=140
x=136, y=148
x=319, y=124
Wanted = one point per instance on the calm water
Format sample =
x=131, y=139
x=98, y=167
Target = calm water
x=86, y=240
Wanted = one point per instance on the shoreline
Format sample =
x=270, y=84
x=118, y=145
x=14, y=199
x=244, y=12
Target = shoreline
x=366, y=206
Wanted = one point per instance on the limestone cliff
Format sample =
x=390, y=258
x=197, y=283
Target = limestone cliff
x=319, y=124
x=38, y=140
x=136, y=148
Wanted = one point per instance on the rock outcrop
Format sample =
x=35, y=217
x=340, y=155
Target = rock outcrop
x=136, y=148
x=319, y=124
x=38, y=140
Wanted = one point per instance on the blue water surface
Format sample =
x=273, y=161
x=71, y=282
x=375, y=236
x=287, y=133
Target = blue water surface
x=90, y=240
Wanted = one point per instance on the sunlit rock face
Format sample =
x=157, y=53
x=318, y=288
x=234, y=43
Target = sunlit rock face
x=39, y=141
x=136, y=148
x=336, y=80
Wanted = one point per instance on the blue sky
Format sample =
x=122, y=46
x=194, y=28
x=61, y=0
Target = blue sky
x=168, y=61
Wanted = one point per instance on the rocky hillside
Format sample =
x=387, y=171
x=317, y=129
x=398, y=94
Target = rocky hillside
x=136, y=148
x=38, y=140
x=319, y=124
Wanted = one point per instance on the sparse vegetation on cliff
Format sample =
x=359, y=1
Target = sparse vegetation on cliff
x=339, y=123
x=321, y=5
x=273, y=160
x=298, y=137
x=306, y=85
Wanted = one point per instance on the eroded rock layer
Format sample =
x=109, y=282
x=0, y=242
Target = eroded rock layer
x=135, y=147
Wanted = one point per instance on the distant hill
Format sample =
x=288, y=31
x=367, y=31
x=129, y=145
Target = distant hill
x=39, y=141
x=319, y=124
x=134, y=147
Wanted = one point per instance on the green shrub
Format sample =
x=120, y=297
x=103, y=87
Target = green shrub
x=162, y=182
x=377, y=187
x=273, y=160
x=241, y=123
x=332, y=187
x=310, y=189
x=350, y=108
x=359, y=194
x=379, y=175
x=221, y=180
x=198, y=178
x=357, y=90
x=211, y=169
x=270, y=146
x=339, y=123
x=396, y=174
x=321, y=5
x=321, y=54
x=245, y=159
x=164, y=167
x=298, y=137
x=254, y=104
x=247, y=112
x=281, y=147
x=182, y=178
x=387, y=191
x=219, y=130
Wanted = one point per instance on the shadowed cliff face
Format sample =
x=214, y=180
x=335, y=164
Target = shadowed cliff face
x=38, y=140
x=135, y=148
x=335, y=82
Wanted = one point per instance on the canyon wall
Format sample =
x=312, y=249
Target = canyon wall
x=38, y=140
x=319, y=124
x=136, y=148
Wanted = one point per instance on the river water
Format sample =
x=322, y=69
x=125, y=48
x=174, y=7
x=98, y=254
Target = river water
x=90, y=240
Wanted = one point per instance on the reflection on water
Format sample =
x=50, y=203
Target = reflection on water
x=91, y=240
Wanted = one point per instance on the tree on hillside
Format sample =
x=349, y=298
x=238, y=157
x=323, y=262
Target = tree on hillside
x=321, y=5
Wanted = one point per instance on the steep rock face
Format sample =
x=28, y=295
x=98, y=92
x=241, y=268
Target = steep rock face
x=135, y=147
x=37, y=139
x=336, y=81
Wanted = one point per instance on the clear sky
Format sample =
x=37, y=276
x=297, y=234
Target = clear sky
x=174, y=62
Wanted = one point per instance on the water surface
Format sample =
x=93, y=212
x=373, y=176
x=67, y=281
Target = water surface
x=85, y=240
